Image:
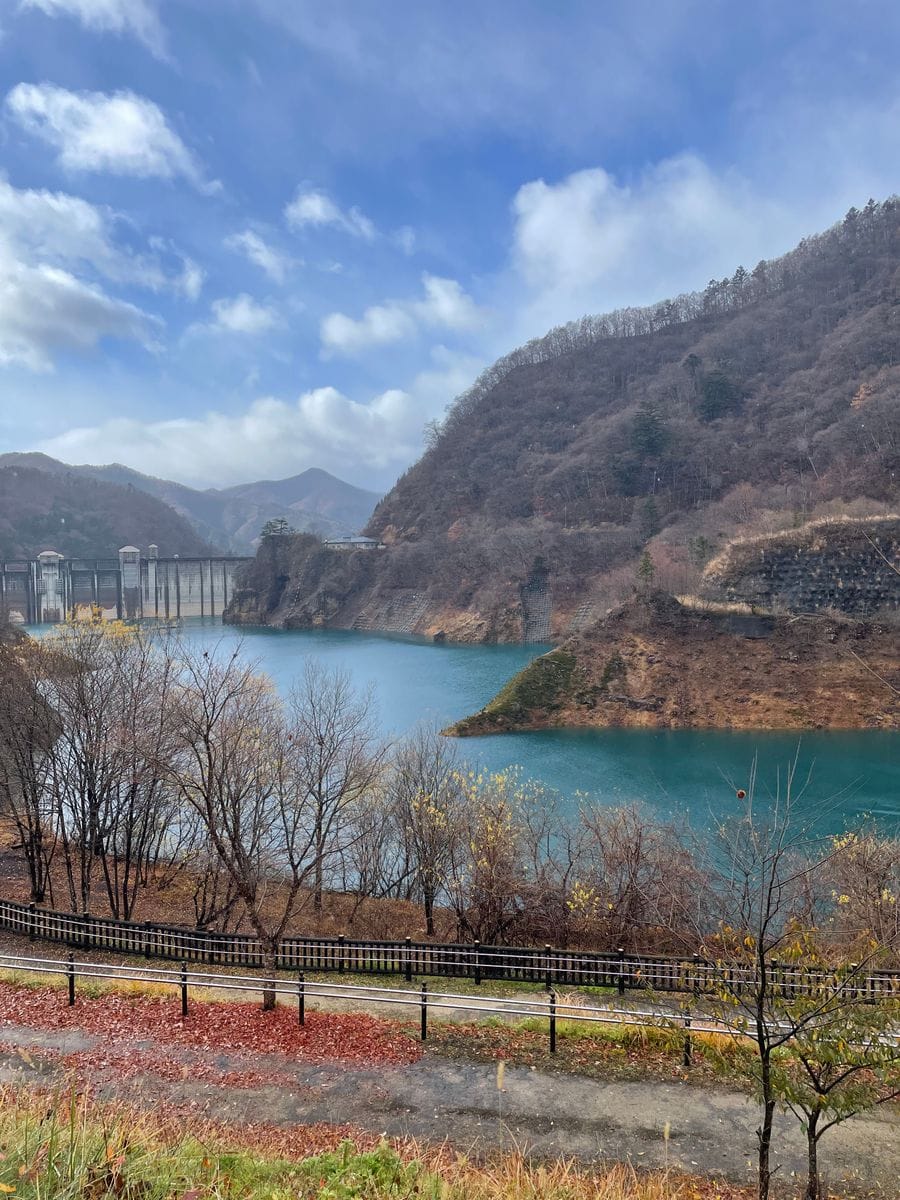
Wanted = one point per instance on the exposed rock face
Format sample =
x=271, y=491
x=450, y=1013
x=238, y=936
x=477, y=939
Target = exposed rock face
x=852, y=566
x=655, y=663
x=297, y=583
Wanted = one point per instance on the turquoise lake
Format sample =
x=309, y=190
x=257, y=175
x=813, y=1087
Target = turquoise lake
x=690, y=773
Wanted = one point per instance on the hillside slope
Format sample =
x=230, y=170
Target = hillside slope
x=769, y=398
x=232, y=518
x=85, y=518
x=637, y=668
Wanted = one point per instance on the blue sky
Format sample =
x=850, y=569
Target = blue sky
x=239, y=238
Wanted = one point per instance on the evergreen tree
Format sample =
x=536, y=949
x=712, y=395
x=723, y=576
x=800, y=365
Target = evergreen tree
x=646, y=572
x=649, y=434
x=277, y=527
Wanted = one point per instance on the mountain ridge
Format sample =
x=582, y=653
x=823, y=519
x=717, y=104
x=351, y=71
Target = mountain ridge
x=231, y=518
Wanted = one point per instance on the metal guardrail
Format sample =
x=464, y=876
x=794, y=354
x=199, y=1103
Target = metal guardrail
x=682, y=1025
x=547, y=966
x=299, y=992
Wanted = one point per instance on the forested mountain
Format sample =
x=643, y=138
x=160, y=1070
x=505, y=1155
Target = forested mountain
x=769, y=398
x=231, y=518
x=84, y=518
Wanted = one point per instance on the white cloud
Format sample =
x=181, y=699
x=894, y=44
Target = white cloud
x=190, y=281
x=273, y=438
x=590, y=243
x=44, y=310
x=316, y=209
x=122, y=133
x=136, y=17
x=378, y=326
x=57, y=228
x=242, y=314
x=445, y=305
x=275, y=264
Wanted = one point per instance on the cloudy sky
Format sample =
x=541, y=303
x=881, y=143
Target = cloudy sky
x=239, y=238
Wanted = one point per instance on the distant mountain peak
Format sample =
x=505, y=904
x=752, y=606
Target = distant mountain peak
x=312, y=501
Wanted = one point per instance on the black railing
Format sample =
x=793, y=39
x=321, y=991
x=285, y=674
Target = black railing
x=545, y=966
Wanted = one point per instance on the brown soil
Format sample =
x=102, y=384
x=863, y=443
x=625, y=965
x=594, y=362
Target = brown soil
x=656, y=664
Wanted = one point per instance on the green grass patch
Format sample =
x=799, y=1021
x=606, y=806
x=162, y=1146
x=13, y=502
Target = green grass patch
x=542, y=685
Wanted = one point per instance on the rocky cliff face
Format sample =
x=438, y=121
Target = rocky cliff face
x=297, y=583
x=654, y=663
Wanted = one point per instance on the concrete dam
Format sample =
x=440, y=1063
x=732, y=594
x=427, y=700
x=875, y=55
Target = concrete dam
x=132, y=586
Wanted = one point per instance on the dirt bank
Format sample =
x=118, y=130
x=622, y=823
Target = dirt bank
x=654, y=663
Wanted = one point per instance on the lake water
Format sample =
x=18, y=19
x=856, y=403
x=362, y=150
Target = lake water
x=847, y=775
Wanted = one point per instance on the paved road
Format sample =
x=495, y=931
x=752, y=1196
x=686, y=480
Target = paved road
x=711, y=1129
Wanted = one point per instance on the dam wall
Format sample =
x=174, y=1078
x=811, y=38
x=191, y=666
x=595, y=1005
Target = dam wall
x=131, y=586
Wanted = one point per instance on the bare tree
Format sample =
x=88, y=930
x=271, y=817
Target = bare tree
x=229, y=768
x=29, y=729
x=763, y=870
x=143, y=829
x=273, y=788
x=335, y=759
x=114, y=812
x=639, y=878
x=427, y=796
x=554, y=854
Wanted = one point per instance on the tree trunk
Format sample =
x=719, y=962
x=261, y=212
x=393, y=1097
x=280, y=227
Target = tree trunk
x=764, y=1137
x=270, y=965
x=429, y=912
x=812, y=1152
x=319, y=870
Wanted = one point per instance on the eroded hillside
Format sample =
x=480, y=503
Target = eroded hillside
x=654, y=663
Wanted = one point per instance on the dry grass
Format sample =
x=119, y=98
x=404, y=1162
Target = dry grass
x=701, y=604
x=67, y=1147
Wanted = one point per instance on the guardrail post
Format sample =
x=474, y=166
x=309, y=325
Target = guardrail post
x=85, y=936
x=341, y=953
x=549, y=979
x=477, y=961
x=621, y=954
x=146, y=933
x=32, y=922
x=424, y=1012
x=552, y=1022
x=854, y=967
x=70, y=973
x=408, y=970
x=184, y=994
x=686, y=1057
x=696, y=988
x=301, y=999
